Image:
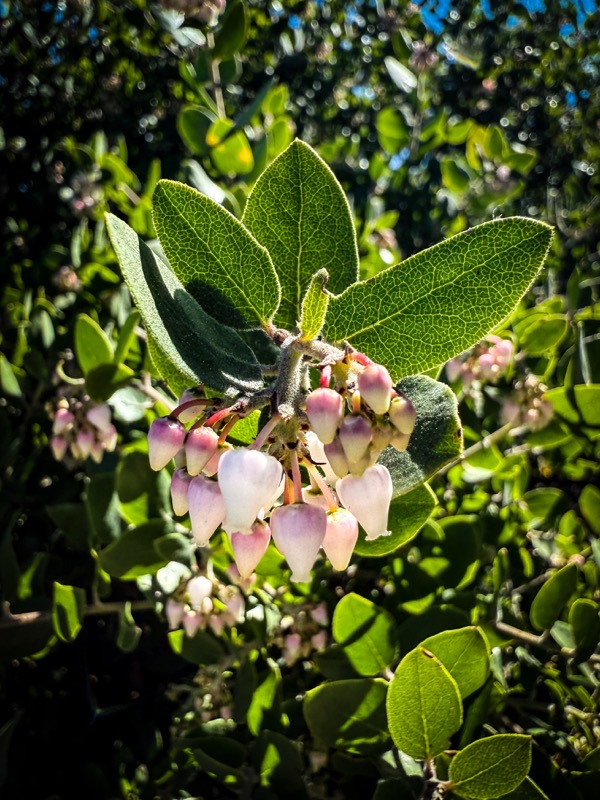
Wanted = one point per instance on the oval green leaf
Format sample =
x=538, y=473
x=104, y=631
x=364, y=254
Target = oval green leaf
x=92, y=345
x=366, y=633
x=298, y=211
x=585, y=624
x=314, y=306
x=465, y=654
x=68, y=606
x=423, y=706
x=491, y=767
x=436, y=304
x=218, y=262
x=552, y=597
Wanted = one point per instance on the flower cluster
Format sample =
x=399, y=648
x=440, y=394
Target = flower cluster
x=333, y=436
x=526, y=405
x=205, y=602
x=485, y=363
x=82, y=428
x=303, y=631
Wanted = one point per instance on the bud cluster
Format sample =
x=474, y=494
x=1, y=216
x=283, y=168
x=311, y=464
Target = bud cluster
x=526, y=405
x=83, y=429
x=307, y=481
x=485, y=363
x=303, y=631
x=205, y=602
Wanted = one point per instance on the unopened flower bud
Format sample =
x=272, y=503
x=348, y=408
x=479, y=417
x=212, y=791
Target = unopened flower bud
x=198, y=589
x=340, y=537
x=355, y=437
x=174, y=611
x=336, y=457
x=109, y=438
x=325, y=409
x=368, y=498
x=236, y=607
x=375, y=387
x=59, y=447
x=97, y=452
x=400, y=441
x=192, y=413
x=200, y=446
x=320, y=614
x=99, y=416
x=402, y=414
x=63, y=420
x=292, y=648
x=298, y=531
x=249, y=548
x=319, y=640
x=179, y=459
x=213, y=465
x=85, y=440
x=191, y=622
x=216, y=624
x=207, y=508
x=248, y=480
x=165, y=438
x=180, y=483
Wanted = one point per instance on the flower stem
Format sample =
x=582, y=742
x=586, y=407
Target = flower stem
x=322, y=484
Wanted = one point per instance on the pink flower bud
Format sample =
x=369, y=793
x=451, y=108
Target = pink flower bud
x=191, y=622
x=63, y=420
x=325, y=409
x=180, y=483
x=355, y=436
x=320, y=614
x=298, y=531
x=319, y=640
x=216, y=624
x=85, y=440
x=340, y=537
x=248, y=480
x=192, y=413
x=174, y=613
x=99, y=416
x=292, y=648
x=236, y=608
x=179, y=459
x=249, y=548
x=504, y=351
x=109, y=438
x=375, y=387
x=207, y=508
x=336, y=457
x=402, y=414
x=400, y=441
x=454, y=369
x=358, y=467
x=198, y=589
x=368, y=498
x=213, y=465
x=97, y=452
x=165, y=438
x=200, y=446
x=59, y=447
x=315, y=498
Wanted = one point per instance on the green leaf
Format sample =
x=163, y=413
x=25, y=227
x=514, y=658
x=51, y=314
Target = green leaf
x=92, y=345
x=392, y=130
x=589, y=503
x=233, y=31
x=264, y=710
x=200, y=649
x=126, y=337
x=528, y=790
x=134, y=553
x=431, y=307
x=454, y=177
x=103, y=381
x=491, y=767
x=314, y=306
x=408, y=514
x=349, y=714
x=578, y=405
x=298, y=211
x=8, y=381
x=279, y=764
x=195, y=345
x=552, y=597
x=143, y=493
x=366, y=633
x=436, y=439
x=128, y=633
x=423, y=706
x=218, y=262
x=68, y=607
x=230, y=150
x=465, y=654
x=193, y=123
x=585, y=624
x=541, y=335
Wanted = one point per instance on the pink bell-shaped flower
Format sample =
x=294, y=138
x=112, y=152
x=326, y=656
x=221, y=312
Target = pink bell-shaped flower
x=63, y=420
x=99, y=416
x=375, y=387
x=403, y=415
x=85, y=441
x=325, y=409
x=191, y=622
x=109, y=438
x=97, y=452
x=368, y=498
x=198, y=589
x=207, y=508
x=174, y=611
x=249, y=480
x=340, y=537
x=315, y=498
x=400, y=441
x=200, y=446
x=355, y=436
x=59, y=447
x=249, y=548
x=213, y=465
x=298, y=531
x=337, y=458
x=180, y=483
x=165, y=438
x=192, y=413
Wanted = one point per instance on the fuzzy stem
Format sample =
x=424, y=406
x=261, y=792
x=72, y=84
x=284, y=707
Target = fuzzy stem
x=265, y=431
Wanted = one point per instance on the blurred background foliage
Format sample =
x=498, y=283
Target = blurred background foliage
x=435, y=116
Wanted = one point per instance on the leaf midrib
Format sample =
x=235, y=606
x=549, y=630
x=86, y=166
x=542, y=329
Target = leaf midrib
x=420, y=298
x=483, y=771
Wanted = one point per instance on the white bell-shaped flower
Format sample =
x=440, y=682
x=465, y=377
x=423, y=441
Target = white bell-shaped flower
x=200, y=446
x=198, y=589
x=249, y=481
x=340, y=537
x=368, y=497
x=207, y=508
x=298, y=531
x=325, y=409
x=180, y=484
x=316, y=450
x=249, y=548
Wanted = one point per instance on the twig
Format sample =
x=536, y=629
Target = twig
x=486, y=442
x=9, y=620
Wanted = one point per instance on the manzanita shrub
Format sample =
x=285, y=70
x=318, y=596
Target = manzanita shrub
x=309, y=415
